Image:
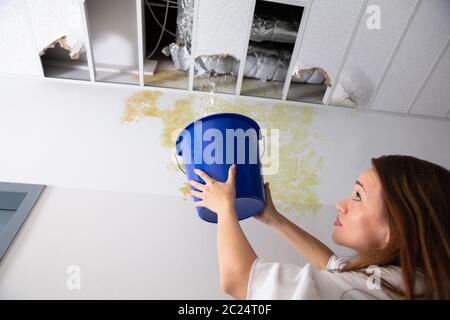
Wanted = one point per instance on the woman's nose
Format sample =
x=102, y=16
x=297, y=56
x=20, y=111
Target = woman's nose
x=341, y=206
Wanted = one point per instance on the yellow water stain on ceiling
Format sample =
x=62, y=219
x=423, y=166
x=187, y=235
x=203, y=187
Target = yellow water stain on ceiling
x=294, y=186
x=175, y=119
x=140, y=105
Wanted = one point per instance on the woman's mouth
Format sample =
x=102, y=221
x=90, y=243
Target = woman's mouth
x=338, y=222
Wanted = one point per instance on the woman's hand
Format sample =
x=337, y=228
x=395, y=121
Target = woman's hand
x=215, y=195
x=269, y=214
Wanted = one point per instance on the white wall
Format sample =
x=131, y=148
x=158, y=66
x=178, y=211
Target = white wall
x=127, y=246
x=70, y=134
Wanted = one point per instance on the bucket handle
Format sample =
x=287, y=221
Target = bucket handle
x=176, y=158
x=182, y=170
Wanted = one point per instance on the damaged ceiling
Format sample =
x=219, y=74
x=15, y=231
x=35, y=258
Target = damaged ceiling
x=56, y=21
x=401, y=67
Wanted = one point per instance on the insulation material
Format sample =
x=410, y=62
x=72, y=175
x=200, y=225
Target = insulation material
x=314, y=75
x=266, y=63
x=180, y=55
x=272, y=29
x=185, y=18
x=56, y=21
x=216, y=64
x=261, y=63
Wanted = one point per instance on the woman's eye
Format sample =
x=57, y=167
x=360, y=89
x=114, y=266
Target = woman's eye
x=357, y=196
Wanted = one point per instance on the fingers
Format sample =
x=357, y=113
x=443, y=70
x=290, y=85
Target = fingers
x=204, y=176
x=231, y=174
x=197, y=194
x=197, y=185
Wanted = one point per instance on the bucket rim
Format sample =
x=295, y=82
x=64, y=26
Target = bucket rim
x=236, y=115
x=213, y=115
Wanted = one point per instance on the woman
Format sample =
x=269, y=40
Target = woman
x=396, y=220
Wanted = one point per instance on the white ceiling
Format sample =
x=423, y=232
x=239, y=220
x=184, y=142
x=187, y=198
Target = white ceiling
x=402, y=67
x=412, y=66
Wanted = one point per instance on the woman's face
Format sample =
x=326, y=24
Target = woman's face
x=362, y=224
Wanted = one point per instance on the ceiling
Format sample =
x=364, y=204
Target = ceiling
x=380, y=55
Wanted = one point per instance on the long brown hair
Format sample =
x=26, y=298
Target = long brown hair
x=416, y=196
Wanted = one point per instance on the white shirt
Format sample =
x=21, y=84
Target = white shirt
x=272, y=281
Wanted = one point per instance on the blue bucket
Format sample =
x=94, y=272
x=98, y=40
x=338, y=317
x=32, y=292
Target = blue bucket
x=194, y=145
